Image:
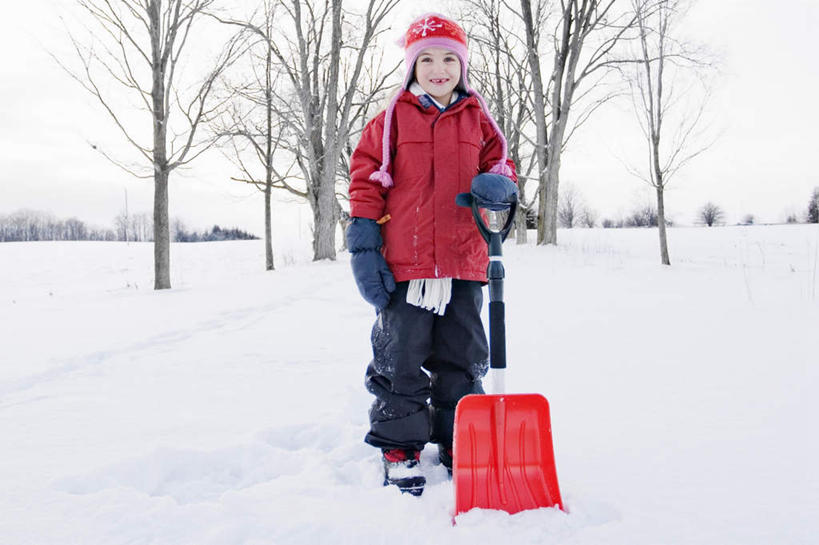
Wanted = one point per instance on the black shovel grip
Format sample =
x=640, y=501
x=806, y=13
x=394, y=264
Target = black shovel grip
x=497, y=335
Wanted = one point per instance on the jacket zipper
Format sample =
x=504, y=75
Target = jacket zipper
x=434, y=219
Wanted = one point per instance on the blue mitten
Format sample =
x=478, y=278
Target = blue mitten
x=494, y=191
x=372, y=275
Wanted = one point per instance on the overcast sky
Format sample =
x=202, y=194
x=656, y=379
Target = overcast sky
x=764, y=162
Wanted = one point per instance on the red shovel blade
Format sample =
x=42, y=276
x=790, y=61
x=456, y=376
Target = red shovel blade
x=503, y=454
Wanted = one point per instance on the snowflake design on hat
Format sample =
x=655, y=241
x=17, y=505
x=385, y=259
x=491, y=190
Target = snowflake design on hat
x=428, y=24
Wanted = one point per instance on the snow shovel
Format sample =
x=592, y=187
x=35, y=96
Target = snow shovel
x=503, y=457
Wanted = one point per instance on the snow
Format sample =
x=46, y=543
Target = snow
x=231, y=409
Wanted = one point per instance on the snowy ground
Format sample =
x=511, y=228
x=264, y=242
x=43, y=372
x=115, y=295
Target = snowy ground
x=230, y=410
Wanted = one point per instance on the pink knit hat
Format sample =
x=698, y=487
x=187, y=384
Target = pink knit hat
x=434, y=30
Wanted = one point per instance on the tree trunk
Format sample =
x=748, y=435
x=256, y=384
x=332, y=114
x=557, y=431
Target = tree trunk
x=324, y=218
x=343, y=218
x=162, y=245
x=268, y=231
x=563, y=86
x=661, y=224
x=520, y=220
x=327, y=217
x=547, y=228
x=547, y=232
x=540, y=117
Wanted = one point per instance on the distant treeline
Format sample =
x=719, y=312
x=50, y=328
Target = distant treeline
x=216, y=233
x=31, y=225
x=34, y=225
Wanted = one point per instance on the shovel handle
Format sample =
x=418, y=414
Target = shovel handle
x=495, y=274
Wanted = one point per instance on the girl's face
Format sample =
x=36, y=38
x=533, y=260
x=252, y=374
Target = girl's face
x=438, y=71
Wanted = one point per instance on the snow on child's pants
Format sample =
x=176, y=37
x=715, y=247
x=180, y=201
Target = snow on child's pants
x=419, y=358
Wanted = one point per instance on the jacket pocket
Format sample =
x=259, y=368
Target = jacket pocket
x=407, y=232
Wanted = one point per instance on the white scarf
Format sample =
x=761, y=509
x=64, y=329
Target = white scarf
x=430, y=294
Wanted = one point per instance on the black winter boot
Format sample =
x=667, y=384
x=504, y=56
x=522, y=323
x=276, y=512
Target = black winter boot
x=445, y=456
x=402, y=469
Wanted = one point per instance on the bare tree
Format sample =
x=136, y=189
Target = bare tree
x=138, y=45
x=711, y=214
x=309, y=46
x=539, y=91
x=573, y=211
x=659, y=101
x=569, y=209
x=642, y=216
x=134, y=227
x=583, y=24
x=252, y=124
x=121, y=226
x=588, y=217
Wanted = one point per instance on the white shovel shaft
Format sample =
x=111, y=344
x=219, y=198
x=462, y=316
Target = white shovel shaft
x=498, y=381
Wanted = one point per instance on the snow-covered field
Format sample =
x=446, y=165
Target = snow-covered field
x=231, y=409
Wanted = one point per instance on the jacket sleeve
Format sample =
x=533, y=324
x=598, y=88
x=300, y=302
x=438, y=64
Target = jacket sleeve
x=492, y=148
x=366, y=196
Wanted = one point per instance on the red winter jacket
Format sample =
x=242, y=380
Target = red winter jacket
x=434, y=157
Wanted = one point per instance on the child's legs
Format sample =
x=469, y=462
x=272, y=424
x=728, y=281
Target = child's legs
x=459, y=358
x=402, y=342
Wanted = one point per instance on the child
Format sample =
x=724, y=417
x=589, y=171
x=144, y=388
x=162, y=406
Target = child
x=416, y=256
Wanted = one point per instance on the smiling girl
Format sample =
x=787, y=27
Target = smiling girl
x=416, y=256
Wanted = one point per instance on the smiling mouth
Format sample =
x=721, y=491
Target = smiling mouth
x=439, y=81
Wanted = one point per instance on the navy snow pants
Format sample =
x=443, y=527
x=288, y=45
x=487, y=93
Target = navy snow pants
x=423, y=364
